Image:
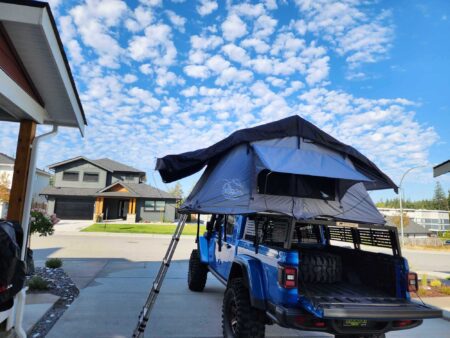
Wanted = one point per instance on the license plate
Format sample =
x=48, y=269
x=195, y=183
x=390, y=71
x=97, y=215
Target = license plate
x=355, y=323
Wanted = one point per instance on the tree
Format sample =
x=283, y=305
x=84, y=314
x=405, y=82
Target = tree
x=439, y=199
x=177, y=190
x=4, y=188
x=396, y=220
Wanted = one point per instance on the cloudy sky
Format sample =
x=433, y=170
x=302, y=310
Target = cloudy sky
x=159, y=76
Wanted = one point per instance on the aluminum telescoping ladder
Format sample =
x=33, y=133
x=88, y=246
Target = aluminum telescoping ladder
x=148, y=306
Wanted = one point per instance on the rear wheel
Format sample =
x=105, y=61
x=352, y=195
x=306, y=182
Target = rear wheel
x=198, y=272
x=239, y=318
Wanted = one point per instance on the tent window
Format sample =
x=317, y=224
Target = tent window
x=273, y=183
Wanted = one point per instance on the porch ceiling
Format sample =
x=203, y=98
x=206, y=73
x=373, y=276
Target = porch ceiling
x=32, y=32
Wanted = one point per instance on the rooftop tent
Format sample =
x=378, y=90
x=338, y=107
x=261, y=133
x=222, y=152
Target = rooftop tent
x=288, y=166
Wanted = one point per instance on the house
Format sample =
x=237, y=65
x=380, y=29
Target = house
x=85, y=189
x=412, y=229
x=41, y=181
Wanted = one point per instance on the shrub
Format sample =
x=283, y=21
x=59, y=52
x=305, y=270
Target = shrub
x=424, y=281
x=436, y=283
x=445, y=290
x=53, y=263
x=37, y=283
x=41, y=223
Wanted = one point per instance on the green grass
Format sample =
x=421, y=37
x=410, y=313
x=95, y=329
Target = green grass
x=164, y=229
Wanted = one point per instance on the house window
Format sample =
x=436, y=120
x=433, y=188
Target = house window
x=154, y=205
x=90, y=177
x=70, y=176
x=128, y=178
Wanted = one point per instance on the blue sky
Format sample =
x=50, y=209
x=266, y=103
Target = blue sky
x=158, y=77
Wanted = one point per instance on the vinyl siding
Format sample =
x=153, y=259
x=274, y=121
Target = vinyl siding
x=155, y=216
x=81, y=167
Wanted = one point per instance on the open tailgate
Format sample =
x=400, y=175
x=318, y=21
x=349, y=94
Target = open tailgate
x=394, y=310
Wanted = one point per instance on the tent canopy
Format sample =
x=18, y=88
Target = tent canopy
x=285, y=174
x=175, y=167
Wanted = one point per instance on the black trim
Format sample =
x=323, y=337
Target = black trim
x=40, y=4
x=219, y=277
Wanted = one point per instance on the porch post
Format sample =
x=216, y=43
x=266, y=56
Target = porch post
x=27, y=133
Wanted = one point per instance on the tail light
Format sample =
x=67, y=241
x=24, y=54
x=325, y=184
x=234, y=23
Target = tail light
x=402, y=323
x=413, y=284
x=287, y=277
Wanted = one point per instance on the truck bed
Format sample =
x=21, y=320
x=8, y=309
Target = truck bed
x=345, y=293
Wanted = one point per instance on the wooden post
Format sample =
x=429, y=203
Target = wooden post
x=27, y=133
x=133, y=211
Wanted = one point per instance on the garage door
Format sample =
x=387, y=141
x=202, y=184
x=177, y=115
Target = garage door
x=74, y=208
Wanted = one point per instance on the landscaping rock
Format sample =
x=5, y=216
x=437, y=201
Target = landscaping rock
x=59, y=284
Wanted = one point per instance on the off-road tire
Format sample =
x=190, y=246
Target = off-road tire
x=320, y=268
x=198, y=272
x=247, y=321
x=377, y=335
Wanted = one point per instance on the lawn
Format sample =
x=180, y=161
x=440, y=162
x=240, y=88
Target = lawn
x=165, y=229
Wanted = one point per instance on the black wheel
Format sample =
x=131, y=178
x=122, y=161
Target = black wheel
x=198, y=272
x=320, y=268
x=377, y=335
x=239, y=318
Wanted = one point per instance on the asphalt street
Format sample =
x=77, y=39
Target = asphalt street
x=115, y=272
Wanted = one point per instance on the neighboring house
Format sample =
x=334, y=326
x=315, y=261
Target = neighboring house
x=433, y=220
x=6, y=173
x=85, y=188
x=412, y=229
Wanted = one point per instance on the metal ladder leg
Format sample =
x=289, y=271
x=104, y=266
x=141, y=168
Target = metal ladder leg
x=157, y=283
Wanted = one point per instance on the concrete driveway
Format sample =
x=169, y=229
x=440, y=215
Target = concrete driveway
x=115, y=272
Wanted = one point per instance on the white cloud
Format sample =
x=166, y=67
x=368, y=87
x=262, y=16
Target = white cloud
x=130, y=78
x=197, y=71
x=156, y=45
x=217, y=63
x=233, y=27
x=190, y=92
x=140, y=19
x=235, y=53
x=233, y=75
x=177, y=20
x=259, y=45
x=206, y=7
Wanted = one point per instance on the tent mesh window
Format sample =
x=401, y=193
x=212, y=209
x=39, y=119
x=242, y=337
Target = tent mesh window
x=272, y=231
x=306, y=234
x=274, y=183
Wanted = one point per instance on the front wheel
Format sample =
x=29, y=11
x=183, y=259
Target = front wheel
x=239, y=318
x=198, y=272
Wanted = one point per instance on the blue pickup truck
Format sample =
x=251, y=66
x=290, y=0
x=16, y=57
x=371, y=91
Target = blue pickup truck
x=315, y=275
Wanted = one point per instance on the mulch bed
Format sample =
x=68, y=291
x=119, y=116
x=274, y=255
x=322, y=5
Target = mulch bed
x=59, y=284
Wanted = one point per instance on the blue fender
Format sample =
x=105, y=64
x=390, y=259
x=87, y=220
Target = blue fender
x=203, y=249
x=251, y=271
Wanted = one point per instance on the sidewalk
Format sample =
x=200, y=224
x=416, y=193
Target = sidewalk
x=441, y=303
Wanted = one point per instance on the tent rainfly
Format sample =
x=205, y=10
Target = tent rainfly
x=289, y=166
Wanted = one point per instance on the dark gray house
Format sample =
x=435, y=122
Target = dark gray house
x=86, y=189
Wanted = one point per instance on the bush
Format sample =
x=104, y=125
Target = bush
x=41, y=223
x=424, y=281
x=37, y=283
x=446, y=290
x=436, y=283
x=53, y=263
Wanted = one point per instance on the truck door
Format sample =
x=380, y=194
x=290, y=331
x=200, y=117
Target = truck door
x=225, y=245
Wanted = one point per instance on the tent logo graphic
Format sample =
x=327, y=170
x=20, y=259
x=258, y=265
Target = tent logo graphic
x=232, y=189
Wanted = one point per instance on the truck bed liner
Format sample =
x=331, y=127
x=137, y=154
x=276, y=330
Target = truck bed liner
x=345, y=293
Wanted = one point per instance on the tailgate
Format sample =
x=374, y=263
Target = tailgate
x=399, y=310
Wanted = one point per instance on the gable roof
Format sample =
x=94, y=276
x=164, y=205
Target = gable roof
x=8, y=160
x=141, y=190
x=5, y=159
x=104, y=163
x=115, y=166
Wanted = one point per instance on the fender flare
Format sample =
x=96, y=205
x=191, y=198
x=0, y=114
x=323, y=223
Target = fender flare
x=203, y=249
x=251, y=271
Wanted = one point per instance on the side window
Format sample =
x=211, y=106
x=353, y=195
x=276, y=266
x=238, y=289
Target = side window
x=231, y=222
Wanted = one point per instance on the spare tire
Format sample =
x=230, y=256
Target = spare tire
x=320, y=267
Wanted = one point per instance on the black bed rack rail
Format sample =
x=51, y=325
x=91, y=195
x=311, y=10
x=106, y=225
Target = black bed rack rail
x=385, y=237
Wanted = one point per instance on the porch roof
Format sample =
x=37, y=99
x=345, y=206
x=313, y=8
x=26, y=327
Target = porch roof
x=38, y=84
x=135, y=190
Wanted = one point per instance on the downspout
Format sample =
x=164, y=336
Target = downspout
x=20, y=298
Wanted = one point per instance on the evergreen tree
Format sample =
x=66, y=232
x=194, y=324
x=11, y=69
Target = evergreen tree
x=439, y=199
